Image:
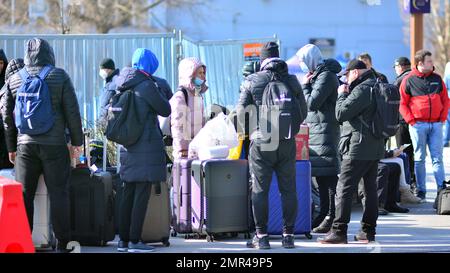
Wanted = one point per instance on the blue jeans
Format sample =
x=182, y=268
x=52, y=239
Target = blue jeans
x=423, y=134
x=447, y=130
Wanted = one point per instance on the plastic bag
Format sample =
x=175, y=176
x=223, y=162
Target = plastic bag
x=217, y=132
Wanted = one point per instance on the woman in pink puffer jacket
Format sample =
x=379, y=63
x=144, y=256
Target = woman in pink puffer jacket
x=188, y=119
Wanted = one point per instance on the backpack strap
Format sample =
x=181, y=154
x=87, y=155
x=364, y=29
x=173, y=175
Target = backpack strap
x=182, y=89
x=45, y=71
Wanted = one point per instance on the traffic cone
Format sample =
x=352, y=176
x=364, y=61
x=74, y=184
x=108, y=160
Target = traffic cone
x=15, y=233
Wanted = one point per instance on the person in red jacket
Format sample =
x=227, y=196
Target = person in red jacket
x=424, y=106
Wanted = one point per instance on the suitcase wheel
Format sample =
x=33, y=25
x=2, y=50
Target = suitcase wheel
x=166, y=242
x=210, y=238
x=308, y=236
x=173, y=234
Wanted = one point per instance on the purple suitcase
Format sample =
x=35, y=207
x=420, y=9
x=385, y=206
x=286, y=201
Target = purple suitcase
x=303, y=221
x=181, y=210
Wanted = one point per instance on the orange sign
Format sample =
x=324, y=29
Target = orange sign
x=252, y=51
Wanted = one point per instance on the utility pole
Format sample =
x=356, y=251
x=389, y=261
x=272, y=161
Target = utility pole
x=416, y=8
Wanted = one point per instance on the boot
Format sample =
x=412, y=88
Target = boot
x=407, y=197
x=325, y=226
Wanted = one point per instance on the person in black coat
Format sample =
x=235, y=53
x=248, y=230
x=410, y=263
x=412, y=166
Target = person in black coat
x=367, y=59
x=143, y=163
x=320, y=89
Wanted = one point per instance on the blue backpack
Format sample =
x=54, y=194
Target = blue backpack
x=33, y=111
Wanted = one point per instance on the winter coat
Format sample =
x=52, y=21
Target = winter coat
x=64, y=101
x=321, y=96
x=357, y=142
x=252, y=89
x=423, y=98
x=108, y=92
x=145, y=160
x=187, y=120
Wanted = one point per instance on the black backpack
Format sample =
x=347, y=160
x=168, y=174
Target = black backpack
x=280, y=110
x=385, y=122
x=124, y=125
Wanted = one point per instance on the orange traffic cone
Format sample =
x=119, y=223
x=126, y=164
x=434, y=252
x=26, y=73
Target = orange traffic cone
x=15, y=234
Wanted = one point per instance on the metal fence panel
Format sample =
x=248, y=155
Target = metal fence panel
x=80, y=56
x=224, y=61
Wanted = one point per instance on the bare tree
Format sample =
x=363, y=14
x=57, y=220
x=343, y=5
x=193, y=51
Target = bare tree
x=437, y=31
x=438, y=34
x=105, y=15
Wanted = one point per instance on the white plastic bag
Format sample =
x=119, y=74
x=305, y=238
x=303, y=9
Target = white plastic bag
x=219, y=131
x=215, y=152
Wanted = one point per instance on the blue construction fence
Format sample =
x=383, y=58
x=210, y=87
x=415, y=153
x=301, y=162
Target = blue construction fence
x=80, y=56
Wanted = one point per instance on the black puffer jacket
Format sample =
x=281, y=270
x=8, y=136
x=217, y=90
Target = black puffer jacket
x=357, y=142
x=64, y=101
x=252, y=88
x=321, y=95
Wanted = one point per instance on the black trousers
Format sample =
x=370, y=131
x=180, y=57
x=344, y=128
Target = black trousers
x=53, y=161
x=403, y=137
x=388, y=180
x=327, y=192
x=262, y=166
x=351, y=173
x=133, y=209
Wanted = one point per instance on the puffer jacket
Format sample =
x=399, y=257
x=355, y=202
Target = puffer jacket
x=108, y=92
x=13, y=67
x=252, y=90
x=321, y=96
x=187, y=120
x=145, y=160
x=357, y=142
x=64, y=101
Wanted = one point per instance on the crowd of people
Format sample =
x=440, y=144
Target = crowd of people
x=335, y=103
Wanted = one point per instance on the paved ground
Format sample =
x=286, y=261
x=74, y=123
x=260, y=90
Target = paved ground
x=420, y=230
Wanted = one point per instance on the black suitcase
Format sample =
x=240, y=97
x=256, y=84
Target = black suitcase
x=92, y=206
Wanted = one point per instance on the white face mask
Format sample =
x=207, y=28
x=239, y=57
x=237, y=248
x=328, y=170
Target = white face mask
x=103, y=74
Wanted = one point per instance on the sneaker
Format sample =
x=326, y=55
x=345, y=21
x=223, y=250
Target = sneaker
x=422, y=196
x=288, y=241
x=122, y=246
x=62, y=248
x=259, y=243
x=407, y=196
x=139, y=247
x=333, y=238
x=396, y=209
x=365, y=238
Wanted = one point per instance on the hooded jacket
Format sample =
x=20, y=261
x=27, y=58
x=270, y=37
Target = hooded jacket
x=357, y=142
x=423, y=98
x=309, y=57
x=252, y=89
x=64, y=101
x=3, y=70
x=321, y=96
x=145, y=160
x=187, y=120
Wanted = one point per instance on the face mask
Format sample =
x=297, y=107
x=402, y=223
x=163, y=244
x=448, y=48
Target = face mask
x=198, y=82
x=103, y=74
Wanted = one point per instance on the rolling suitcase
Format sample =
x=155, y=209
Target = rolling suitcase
x=303, y=221
x=92, y=206
x=181, y=208
x=42, y=235
x=219, y=197
x=443, y=200
x=157, y=221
